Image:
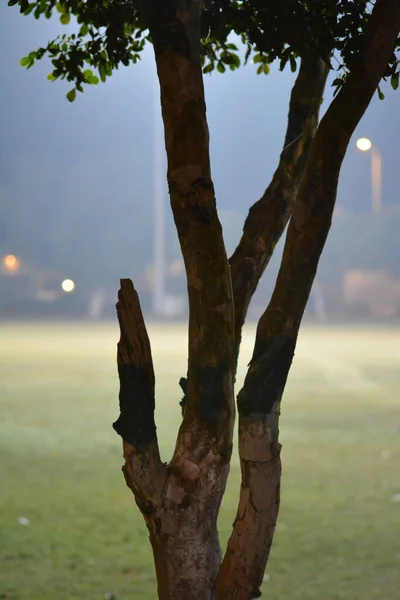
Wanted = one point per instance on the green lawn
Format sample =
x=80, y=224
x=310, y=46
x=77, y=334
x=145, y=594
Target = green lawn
x=339, y=530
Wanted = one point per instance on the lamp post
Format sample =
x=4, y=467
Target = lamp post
x=158, y=300
x=365, y=145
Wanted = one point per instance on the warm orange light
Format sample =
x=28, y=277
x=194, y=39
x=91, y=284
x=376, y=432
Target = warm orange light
x=11, y=262
x=177, y=268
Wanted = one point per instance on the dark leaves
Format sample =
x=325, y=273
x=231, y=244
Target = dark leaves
x=111, y=34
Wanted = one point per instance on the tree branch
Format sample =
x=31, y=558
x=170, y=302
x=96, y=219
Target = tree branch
x=143, y=470
x=269, y=216
x=209, y=391
x=316, y=198
x=259, y=399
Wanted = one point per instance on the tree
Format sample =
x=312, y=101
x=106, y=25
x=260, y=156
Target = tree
x=180, y=500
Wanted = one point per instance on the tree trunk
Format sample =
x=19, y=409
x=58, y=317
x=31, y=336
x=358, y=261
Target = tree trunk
x=180, y=501
x=269, y=216
x=182, y=515
x=259, y=400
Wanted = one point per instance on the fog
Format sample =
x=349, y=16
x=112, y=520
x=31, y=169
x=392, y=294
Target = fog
x=77, y=180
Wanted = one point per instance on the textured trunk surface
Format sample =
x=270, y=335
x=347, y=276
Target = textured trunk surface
x=180, y=500
x=269, y=216
x=259, y=400
x=183, y=524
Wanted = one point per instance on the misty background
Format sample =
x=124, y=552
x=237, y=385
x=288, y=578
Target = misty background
x=77, y=186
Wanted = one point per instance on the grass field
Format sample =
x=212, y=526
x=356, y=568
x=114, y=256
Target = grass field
x=338, y=536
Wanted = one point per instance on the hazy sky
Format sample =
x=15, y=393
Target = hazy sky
x=90, y=163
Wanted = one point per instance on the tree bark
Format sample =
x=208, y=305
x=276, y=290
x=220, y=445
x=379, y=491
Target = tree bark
x=176, y=40
x=269, y=216
x=182, y=518
x=259, y=400
x=180, y=501
x=144, y=472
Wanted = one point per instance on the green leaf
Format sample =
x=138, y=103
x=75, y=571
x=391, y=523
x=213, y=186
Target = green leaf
x=257, y=58
x=380, y=94
x=32, y=55
x=235, y=60
x=65, y=18
x=266, y=68
x=71, y=95
x=60, y=7
x=51, y=77
x=209, y=68
x=283, y=62
x=12, y=2
x=293, y=65
x=27, y=8
x=84, y=30
x=102, y=73
x=24, y=61
x=394, y=80
x=248, y=53
x=93, y=79
x=128, y=29
x=221, y=67
x=260, y=69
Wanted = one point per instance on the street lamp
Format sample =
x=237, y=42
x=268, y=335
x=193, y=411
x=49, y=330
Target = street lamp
x=11, y=263
x=158, y=212
x=68, y=285
x=365, y=145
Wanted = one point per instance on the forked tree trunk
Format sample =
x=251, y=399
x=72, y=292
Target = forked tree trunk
x=180, y=500
x=182, y=515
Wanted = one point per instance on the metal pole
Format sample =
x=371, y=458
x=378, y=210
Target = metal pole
x=158, y=211
x=376, y=180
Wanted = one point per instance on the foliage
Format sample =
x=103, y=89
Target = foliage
x=111, y=33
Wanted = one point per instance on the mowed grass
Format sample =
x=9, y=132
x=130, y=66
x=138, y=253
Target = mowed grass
x=338, y=535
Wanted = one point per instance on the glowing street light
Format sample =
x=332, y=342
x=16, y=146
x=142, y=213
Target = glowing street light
x=68, y=285
x=11, y=263
x=364, y=144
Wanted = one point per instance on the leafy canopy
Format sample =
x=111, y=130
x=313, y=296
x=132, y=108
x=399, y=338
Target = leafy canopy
x=110, y=33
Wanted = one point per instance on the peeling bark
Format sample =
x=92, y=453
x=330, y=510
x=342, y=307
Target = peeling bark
x=269, y=216
x=143, y=470
x=209, y=389
x=182, y=519
x=183, y=528
x=258, y=402
x=180, y=501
